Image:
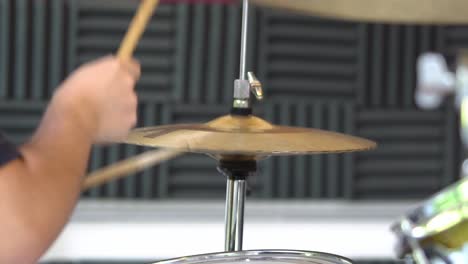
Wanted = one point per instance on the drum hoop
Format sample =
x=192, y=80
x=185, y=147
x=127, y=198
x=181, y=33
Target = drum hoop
x=287, y=253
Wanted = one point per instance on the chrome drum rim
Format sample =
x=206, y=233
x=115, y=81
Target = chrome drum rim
x=292, y=256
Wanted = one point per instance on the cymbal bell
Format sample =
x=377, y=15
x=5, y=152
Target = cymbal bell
x=386, y=11
x=249, y=137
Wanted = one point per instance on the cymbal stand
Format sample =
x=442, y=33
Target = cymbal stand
x=237, y=169
x=236, y=173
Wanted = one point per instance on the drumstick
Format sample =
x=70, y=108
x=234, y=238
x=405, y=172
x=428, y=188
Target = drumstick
x=136, y=29
x=147, y=159
x=125, y=53
x=128, y=166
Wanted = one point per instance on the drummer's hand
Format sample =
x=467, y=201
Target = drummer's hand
x=102, y=97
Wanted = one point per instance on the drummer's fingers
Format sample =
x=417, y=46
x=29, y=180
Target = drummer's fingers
x=133, y=67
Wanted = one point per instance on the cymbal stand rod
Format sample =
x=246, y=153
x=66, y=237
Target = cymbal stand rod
x=239, y=204
x=236, y=192
x=243, y=51
x=234, y=223
x=229, y=219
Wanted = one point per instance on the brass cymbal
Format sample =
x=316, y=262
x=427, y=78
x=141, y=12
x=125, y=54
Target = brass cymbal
x=386, y=11
x=249, y=137
x=229, y=138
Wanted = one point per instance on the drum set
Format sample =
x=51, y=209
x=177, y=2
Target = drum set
x=435, y=232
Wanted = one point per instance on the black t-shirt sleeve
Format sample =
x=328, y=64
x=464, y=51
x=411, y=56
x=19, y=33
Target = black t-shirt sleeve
x=8, y=150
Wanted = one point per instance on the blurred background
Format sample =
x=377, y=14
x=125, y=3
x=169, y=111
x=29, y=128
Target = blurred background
x=355, y=78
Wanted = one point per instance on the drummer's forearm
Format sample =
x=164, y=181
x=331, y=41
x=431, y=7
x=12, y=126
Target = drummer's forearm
x=39, y=191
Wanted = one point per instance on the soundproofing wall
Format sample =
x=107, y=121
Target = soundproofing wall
x=355, y=78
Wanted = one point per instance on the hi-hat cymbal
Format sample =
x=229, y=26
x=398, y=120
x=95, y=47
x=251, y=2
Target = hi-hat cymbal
x=387, y=11
x=227, y=138
x=249, y=137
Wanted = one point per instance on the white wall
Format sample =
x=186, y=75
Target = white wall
x=152, y=231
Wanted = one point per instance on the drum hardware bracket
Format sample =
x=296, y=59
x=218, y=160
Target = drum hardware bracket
x=237, y=170
x=242, y=89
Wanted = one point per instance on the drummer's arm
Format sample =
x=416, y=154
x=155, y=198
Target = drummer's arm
x=38, y=191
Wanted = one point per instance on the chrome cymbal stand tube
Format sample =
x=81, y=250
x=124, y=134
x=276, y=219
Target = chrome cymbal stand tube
x=236, y=173
x=229, y=216
x=237, y=169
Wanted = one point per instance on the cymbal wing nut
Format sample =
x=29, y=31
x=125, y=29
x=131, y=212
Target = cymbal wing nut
x=255, y=85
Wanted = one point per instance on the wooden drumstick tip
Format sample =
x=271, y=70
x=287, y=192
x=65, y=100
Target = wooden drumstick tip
x=136, y=29
x=128, y=166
